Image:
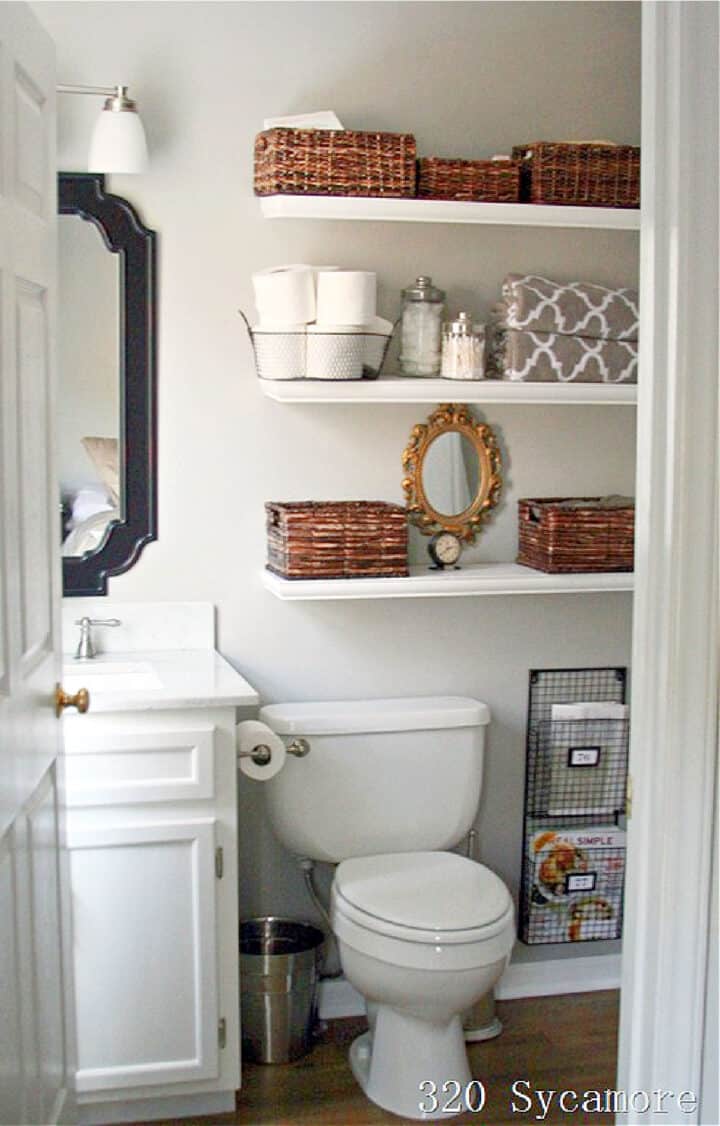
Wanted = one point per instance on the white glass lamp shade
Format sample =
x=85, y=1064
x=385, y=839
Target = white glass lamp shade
x=118, y=143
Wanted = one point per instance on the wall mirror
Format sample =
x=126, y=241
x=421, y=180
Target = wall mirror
x=452, y=470
x=106, y=383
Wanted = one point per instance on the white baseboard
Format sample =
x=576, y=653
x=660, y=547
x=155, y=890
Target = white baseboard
x=173, y=1108
x=566, y=975
x=338, y=998
x=521, y=979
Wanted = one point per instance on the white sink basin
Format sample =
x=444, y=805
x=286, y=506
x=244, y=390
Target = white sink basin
x=110, y=676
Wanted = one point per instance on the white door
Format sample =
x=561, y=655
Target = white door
x=33, y=1057
x=145, y=961
x=667, y=1010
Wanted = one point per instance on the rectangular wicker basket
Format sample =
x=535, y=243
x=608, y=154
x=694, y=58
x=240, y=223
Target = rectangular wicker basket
x=334, y=162
x=575, y=534
x=336, y=539
x=593, y=174
x=487, y=181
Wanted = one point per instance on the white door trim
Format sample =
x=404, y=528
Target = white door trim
x=675, y=695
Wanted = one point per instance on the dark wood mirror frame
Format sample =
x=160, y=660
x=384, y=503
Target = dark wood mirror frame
x=83, y=194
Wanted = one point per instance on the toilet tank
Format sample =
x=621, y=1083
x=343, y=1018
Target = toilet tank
x=398, y=775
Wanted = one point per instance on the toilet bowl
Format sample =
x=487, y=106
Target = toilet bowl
x=422, y=936
x=384, y=790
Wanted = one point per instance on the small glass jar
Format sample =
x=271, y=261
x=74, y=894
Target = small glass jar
x=463, y=349
x=423, y=307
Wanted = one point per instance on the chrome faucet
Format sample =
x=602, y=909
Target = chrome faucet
x=86, y=650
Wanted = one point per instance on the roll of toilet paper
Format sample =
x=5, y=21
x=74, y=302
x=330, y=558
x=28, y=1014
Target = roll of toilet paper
x=346, y=297
x=251, y=734
x=285, y=295
x=335, y=351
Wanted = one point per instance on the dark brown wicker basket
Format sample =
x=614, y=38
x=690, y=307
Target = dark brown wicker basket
x=334, y=162
x=336, y=539
x=566, y=534
x=589, y=175
x=487, y=181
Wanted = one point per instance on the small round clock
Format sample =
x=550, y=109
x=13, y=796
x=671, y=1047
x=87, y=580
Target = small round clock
x=444, y=550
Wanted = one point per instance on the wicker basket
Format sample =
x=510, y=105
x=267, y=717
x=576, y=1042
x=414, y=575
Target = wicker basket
x=576, y=534
x=590, y=175
x=336, y=539
x=334, y=162
x=487, y=181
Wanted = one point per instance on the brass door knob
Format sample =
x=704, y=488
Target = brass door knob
x=81, y=700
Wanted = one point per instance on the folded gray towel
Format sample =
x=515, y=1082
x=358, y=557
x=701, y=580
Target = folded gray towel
x=536, y=304
x=551, y=357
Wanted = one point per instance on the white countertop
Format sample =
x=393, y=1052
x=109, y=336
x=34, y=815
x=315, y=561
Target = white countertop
x=154, y=680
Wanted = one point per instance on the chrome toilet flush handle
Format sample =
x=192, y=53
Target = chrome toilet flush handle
x=299, y=748
x=262, y=754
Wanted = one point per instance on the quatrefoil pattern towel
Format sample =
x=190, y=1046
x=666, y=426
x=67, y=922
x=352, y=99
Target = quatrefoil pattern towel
x=548, y=357
x=531, y=303
x=546, y=331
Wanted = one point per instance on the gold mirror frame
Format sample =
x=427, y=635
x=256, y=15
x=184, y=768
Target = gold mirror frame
x=449, y=417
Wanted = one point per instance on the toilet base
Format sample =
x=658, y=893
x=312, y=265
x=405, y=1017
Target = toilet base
x=405, y=1061
x=487, y=1032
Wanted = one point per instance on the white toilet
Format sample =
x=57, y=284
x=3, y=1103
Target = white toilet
x=387, y=786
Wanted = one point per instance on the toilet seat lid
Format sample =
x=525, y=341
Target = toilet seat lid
x=431, y=892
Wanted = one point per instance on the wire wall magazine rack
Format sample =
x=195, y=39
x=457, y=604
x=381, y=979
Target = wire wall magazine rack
x=573, y=860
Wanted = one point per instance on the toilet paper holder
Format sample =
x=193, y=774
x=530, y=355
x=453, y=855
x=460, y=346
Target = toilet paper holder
x=262, y=754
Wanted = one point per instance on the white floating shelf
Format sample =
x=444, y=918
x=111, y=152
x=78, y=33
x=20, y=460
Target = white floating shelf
x=448, y=211
x=410, y=390
x=481, y=578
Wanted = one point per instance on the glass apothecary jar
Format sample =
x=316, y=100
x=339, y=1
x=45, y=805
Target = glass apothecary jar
x=422, y=314
x=463, y=349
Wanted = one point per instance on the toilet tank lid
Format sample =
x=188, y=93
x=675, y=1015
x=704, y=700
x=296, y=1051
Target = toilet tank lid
x=411, y=713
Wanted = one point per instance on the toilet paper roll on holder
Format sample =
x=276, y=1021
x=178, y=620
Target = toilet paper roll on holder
x=262, y=754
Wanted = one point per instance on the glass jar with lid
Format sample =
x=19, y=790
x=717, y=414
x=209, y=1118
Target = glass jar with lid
x=463, y=349
x=422, y=313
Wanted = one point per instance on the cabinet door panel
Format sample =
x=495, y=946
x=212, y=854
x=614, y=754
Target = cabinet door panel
x=107, y=767
x=145, y=964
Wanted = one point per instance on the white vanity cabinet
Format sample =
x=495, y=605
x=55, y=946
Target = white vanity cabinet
x=152, y=846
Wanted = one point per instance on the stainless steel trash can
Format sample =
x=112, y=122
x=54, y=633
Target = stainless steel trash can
x=279, y=973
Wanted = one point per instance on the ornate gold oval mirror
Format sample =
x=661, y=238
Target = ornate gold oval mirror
x=452, y=470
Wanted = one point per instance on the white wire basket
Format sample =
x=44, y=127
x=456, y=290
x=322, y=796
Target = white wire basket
x=312, y=353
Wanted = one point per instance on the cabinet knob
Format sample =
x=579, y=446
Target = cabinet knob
x=81, y=700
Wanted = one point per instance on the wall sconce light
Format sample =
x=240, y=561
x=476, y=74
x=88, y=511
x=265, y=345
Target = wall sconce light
x=118, y=142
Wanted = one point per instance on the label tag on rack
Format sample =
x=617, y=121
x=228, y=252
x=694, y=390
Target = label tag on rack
x=584, y=756
x=584, y=881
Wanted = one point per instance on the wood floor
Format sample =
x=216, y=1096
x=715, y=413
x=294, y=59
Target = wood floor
x=555, y=1043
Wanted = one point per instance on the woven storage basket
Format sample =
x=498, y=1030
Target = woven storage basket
x=590, y=175
x=487, y=181
x=334, y=162
x=567, y=534
x=336, y=539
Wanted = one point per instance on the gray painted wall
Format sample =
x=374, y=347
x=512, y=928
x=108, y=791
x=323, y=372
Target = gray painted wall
x=469, y=79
